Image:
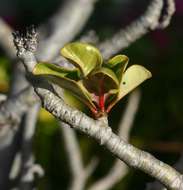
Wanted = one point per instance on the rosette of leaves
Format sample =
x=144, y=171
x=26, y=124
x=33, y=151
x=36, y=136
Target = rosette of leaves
x=94, y=82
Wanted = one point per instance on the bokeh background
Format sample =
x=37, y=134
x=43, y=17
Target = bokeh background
x=158, y=127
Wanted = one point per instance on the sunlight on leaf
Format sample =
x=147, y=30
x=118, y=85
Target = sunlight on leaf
x=60, y=78
x=133, y=77
x=97, y=84
x=118, y=64
x=84, y=56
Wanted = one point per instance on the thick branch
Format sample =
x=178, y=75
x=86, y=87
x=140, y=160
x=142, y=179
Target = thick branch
x=103, y=134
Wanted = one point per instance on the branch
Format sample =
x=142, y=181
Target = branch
x=166, y=18
x=6, y=39
x=60, y=23
x=65, y=25
x=156, y=185
x=104, y=135
x=27, y=158
x=149, y=21
x=13, y=108
x=119, y=170
x=79, y=173
x=90, y=37
x=10, y=133
x=99, y=130
x=15, y=116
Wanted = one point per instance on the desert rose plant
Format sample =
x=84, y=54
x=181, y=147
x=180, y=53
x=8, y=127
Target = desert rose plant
x=97, y=83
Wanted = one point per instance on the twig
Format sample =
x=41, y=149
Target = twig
x=128, y=118
x=79, y=173
x=6, y=39
x=9, y=114
x=119, y=170
x=149, y=21
x=100, y=131
x=66, y=24
x=27, y=158
x=10, y=134
x=90, y=37
x=73, y=150
x=169, y=11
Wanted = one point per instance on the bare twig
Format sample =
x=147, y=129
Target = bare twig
x=149, y=21
x=6, y=39
x=9, y=114
x=128, y=118
x=27, y=158
x=119, y=170
x=79, y=173
x=66, y=24
x=90, y=37
x=169, y=11
x=10, y=133
x=73, y=150
x=100, y=131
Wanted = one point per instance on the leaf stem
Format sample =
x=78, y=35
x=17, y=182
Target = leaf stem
x=102, y=102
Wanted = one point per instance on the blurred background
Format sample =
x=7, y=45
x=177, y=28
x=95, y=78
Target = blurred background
x=158, y=127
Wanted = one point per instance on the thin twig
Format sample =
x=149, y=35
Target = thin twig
x=6, y=39
x=79, y=173
x=66, y=24
x=150, y=20
x=169, y=11
x=27, y=158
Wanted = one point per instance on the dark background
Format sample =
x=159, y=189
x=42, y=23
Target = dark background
x=158, y=127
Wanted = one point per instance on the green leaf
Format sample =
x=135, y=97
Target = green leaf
x=118, y=64
x=101, y=81
x=133, y=77
x=59, y=77
x=84, y=56
x=47, y=68
x=73, y=101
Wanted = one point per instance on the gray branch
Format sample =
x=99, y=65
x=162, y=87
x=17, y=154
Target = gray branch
x=119, y=170
x=149, y=21
x=27, y=158
x=12, y=110
x=79, y=173
x=66, y=24
x=6, y=41
x=99, y=130
x=104, y=135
